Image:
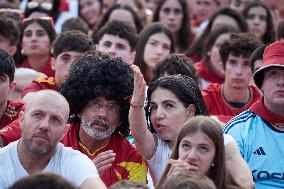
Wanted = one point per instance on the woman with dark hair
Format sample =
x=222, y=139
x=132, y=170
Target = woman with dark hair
x=172, y=100
x=200, y=147
x=154, y=44
x=122, y=13
x=260, y=22
x=210, y=68
x=224, y=16
x=174, y=14
x=90, y=11
x=36, y=41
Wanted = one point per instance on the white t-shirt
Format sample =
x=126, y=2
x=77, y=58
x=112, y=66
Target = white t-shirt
x=71, y=164
x=157, y=164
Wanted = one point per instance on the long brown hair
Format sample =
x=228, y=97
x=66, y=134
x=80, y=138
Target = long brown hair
x=212, y=129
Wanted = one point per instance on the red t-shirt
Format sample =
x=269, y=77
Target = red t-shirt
x=47, y=70
x=14, y=107
x=40, y=84
x=217, y=105
x=128, y=164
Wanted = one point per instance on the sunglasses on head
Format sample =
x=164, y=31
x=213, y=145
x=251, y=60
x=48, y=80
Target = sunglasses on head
x=45, y=18
x=45, y=5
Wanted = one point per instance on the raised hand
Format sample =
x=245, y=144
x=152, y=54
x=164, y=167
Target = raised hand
x=138, y=96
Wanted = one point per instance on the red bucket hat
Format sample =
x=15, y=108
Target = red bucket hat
x=273, y=56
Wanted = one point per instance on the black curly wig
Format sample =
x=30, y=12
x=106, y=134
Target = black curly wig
x=98, y=75
x=185, y=89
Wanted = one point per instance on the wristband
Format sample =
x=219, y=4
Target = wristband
x=135, y=106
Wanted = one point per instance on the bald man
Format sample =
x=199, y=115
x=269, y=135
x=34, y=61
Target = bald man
x=43, y=125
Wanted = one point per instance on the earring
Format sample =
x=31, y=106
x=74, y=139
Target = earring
x=212, y=165
x=22, y=52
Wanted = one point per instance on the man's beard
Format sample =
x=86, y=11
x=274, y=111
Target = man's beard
x=98, y=133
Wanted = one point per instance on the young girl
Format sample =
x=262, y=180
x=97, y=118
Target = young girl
x=200, y=147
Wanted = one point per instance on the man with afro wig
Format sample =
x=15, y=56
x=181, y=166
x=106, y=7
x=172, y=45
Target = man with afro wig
x=98, y=89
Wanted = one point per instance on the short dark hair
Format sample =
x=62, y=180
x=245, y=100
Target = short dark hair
x=239, y=44
x=43, y=181
x=95, y=75
x=71, y=41
x=77, y=24
x=175, y=64
x=257, y=54
x=9, y=31
x=7, y=65
x=120, y=29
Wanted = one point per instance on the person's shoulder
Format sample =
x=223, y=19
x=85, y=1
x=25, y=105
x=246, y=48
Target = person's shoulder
x=5, y=152
x=211, y=89
x=240, y=121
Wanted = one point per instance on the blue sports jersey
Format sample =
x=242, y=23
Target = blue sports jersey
x=262, y=146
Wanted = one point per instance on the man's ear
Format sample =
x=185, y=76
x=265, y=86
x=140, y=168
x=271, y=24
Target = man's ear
x=12, y=50
x=12, y=85
x=53, y=63
x=21, y=119
x=66, y=129
x=132, y=57
x=190, y=110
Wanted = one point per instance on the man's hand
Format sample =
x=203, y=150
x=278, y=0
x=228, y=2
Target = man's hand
x=104, y=161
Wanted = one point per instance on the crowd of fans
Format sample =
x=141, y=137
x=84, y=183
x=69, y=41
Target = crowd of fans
x=142, y=94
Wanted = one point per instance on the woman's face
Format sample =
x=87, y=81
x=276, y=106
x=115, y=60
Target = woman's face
x=256, y=20
x=124, y=16
x=168, y=114
x=171, y=15
x=215, y=58
x=156, y=49
x=35, y=40
x=197, y=149
x=90, y=10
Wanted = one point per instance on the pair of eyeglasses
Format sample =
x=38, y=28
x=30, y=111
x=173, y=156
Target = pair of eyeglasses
x=110, y=108
x=46, y=18
x=45, y=5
